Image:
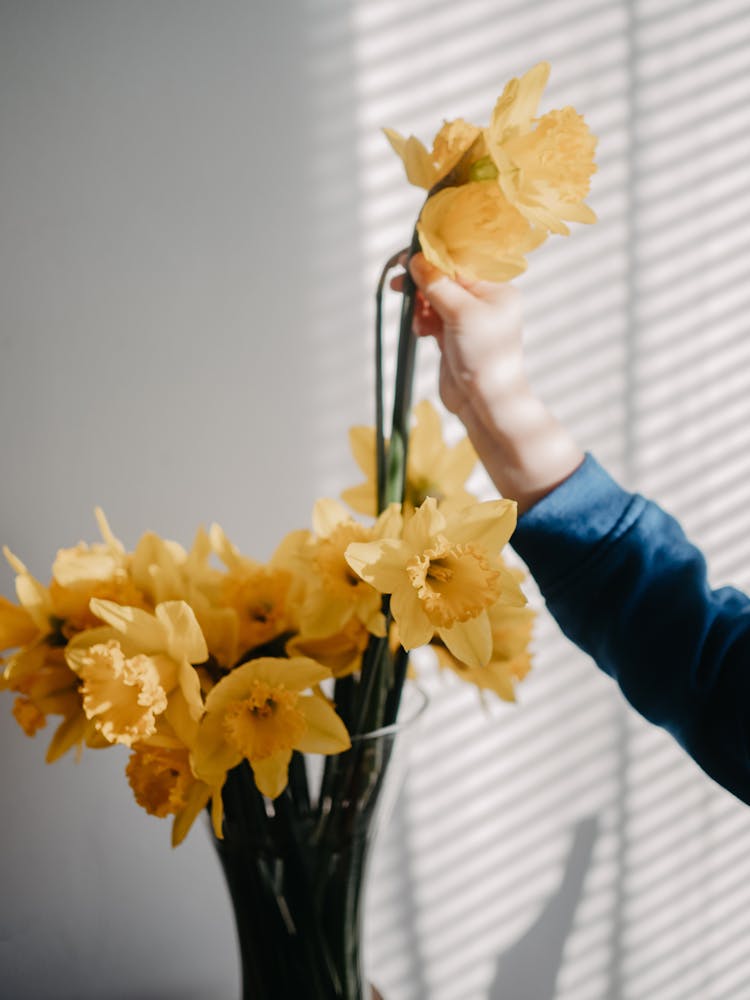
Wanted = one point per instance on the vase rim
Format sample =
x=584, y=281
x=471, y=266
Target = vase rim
x=415, y=701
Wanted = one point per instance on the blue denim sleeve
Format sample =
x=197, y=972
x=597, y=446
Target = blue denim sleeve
x=625, y=584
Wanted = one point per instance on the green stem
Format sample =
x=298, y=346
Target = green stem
x=407, y=345
x=400, y=665
x=380, y=456
x=298, y=786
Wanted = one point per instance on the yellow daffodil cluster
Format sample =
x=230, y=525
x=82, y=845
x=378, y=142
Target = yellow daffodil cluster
x=197, y=660
x=495, y=193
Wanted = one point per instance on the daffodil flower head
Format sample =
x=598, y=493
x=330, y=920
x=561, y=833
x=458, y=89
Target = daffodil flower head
x=260, y=598
x=495, y=193
x=340, y=651
x=433, y=468
x=123, y=695
x=163, y=783
x=544, y=164
x=510, y=659
x=140, y=667
x=260, y=713
x=425, y=168
x=443, y=574
x=475, y=232
x=335, y=594
x=160, y=778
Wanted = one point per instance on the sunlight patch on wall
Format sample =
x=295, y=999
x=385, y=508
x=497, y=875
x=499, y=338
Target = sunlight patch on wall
x=563, y=844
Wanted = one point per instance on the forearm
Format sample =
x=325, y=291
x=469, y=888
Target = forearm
x=525, y=450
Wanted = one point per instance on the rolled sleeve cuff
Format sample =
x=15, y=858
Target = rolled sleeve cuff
x=559, y=536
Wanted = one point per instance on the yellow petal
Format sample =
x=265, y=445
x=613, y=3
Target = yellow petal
x=327, y=515
x=473, y=230
x=69, y=733
x=36, y=600
x=217, y=812
x=517, y=105
x=511, y=594
x=197, y=800
x=271, y=773
x=397, y=141
x=361, y=498
x=427, y=521
x=229, y=554
x=414, y=627
x=458, y=462
x=183, y=713
x=418, y=163
x=16, y=625
x=323, y=614
x=489, y=524
x=362, y=444
x=139, y=627
x=14, y=561
x=298, y=673
x=291, y=550
x=184, y=639
x=106, y=532
x=470, y=641
x=155, y=568
x=389, y=523
x=83, y=564
x=326, y=733
x=380, y=563
x=81, y=643
x=211, y=756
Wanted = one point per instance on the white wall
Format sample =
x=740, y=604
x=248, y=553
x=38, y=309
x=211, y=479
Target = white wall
x=195, y=200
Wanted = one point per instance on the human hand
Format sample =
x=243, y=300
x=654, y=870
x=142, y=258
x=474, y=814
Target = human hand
x=478, y=328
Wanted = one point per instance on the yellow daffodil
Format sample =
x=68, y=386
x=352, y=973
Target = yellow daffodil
x=84, y=571
x=123, y=695
x=139, y=668
x=510, y=659
x=160, y=778
x=259, y=713
x=17, y=627
x=37, y=671
x=443, y=575
x=263, y=598
x=424, y=168
x=544, y=165
x=341, y=651
x=83, y=562
x=45, y=685
x=79, y=574
x=164, y=571
x=260, y=599
x=335, y=594
x=163, y=784
x=433, y=468
x=474, y=232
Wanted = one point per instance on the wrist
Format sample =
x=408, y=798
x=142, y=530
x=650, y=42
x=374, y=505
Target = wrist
x=526, y=451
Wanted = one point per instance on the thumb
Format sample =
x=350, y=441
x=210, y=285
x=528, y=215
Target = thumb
x=447, y=297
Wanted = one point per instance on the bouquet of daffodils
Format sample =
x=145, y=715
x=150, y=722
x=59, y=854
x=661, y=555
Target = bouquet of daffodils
x=195, y=660
x=219, y=673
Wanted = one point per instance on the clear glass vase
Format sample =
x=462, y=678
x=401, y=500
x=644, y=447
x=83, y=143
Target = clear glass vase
x=296, y=867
